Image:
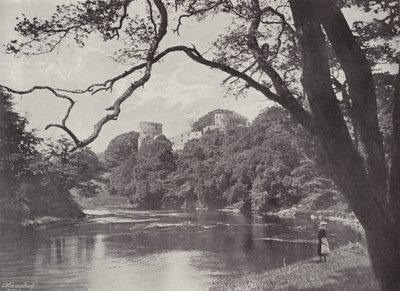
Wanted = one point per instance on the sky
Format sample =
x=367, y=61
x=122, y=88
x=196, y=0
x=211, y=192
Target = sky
x=178, y=92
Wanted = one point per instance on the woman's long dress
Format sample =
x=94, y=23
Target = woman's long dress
x=321, y=234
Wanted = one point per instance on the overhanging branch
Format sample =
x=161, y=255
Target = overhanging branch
x=116, y=107
x=196, y=12
x=63, y=125
x=162, y=30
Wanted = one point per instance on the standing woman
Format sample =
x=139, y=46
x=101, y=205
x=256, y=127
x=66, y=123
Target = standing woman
x=323, y=246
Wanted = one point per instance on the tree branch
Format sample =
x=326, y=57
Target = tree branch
x=282, y=17
x=244, y=71
x=162, y=30
x=152, y=17
x=347, y=166
x=121, y=20
x=286, y=98
x=196, y=12
x=116, y=107
x=288, y=102
x=63, y=125
x=361, y=90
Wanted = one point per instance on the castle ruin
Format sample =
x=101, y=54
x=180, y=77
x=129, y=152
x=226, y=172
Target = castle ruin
x=149, y=130
x=179, y=141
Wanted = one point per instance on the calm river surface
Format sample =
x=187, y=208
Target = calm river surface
x=120, y=249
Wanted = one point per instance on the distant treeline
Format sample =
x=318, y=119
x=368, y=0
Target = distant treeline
x=267, y=165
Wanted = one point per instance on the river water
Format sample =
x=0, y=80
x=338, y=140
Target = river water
x=122, y=249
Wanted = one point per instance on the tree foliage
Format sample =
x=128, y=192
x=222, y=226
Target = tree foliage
x=120, y=148
x=303, y=55
x=208, y=119
x=17, y=152
x=68, y=169
x=266, y=166
x=35, y=177
x=154, y=162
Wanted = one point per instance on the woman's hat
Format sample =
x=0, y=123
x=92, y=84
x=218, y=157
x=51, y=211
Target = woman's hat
x=323, y=223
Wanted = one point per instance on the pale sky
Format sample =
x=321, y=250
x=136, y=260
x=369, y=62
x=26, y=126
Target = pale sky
x=178, y=91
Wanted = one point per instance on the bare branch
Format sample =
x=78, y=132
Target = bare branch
x=244, y=71
x=68, y=131
x=152, y=17
x=121, y=20
x=63, y=125
x=51, y=46
x=285, y=97
x=57, y=43
x=55, y=93
x=287, y=101
x=196, y=12
x=282, y=17
x=116, y=107
x=162, y=30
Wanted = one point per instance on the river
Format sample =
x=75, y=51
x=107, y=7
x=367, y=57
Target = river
x=123, y=249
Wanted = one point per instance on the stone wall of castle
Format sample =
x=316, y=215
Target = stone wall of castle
x=179, y=141
x=149, y=130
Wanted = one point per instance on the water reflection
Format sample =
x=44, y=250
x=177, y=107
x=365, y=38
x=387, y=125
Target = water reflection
x=133, y=250
x=248, y=236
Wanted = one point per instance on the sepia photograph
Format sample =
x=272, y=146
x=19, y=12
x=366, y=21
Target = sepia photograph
x=194, y=145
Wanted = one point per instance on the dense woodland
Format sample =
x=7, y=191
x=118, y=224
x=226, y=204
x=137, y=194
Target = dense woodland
x=270, y=164
x=305, y=55
x=265, y=166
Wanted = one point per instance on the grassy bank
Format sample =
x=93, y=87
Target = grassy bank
x=348, y=268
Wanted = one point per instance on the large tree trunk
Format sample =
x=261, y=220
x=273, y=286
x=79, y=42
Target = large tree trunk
x=384, y=252
x=350, y=171
x=361, y=90
x=394, y=186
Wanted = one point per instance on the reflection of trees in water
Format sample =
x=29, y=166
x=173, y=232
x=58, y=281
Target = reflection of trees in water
x=44, y=254
x=208, y=217
x=48, y=262
x=247, y=237
x=226, y=236
x=288, y=251
x=89, y=247
x=57, y=243
x=60, y=246
x=215, y=232
x=215, y=241
x=84, y=249
x=79, y=250
x=18, y=256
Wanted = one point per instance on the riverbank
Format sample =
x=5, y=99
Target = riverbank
x=37, y=223
x=102, y=200
x=348, y=268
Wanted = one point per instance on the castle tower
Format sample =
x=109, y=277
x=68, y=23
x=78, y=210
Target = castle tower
x=149, y=130
x=219, y=120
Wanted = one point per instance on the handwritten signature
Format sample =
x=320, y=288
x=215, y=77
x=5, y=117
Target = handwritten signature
x=18, y=286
